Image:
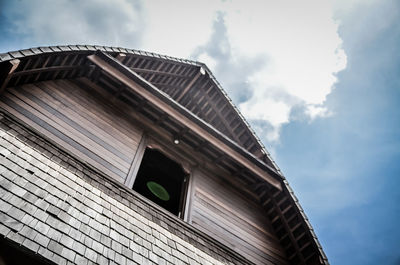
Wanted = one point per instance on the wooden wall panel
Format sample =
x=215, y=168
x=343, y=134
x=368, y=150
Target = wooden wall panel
x=220, y=211
x=81, y=121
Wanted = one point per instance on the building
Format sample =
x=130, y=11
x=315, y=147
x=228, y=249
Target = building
x=117, y=156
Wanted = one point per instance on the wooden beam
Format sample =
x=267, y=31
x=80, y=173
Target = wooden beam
x=50, y=69
x=121, y=57
x=165, y=104
x=221, y=116
x=148, y=71
x=156, y=70
x=6, y=71
x=186, y=89
x=287, y=229
x=161, y=119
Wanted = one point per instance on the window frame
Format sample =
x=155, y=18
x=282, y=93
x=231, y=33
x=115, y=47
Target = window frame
x=147, y=141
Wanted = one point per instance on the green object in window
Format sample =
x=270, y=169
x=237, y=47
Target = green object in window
x=158, y=190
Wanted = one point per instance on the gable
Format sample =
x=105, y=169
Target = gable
x=189, y=83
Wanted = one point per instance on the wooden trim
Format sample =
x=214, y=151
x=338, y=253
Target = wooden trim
x=149, y=71
x=164, y=103
x=136, y=162
x=189, y=196
x=171, y=154
x=9, y=68
x=186, y=89
x=50, y=69
x=184, y=196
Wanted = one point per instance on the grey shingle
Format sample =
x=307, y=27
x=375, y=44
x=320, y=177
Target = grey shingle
x=96, y=235
x=28, y=232
x=90, y=254
x=54, y=234
x=31, y=245
x=79, y=248
x=68, y=254
x=116, y=246
x=4, y=230
x=42, y=240
x=97, y=246
x=105, y=240
x=66, y=241
x=17, y=238
x=46, y=253
x=10, y=222
x=88, y=242
x=101, y=260
x=53, y=210
x=80, y=260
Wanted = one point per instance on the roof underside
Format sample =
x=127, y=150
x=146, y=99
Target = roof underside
x=191, y=85
x=198, y=91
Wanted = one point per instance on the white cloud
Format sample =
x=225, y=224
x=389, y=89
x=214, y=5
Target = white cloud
x=101, y=22
x=299, y=41
x=208, y=60
x=314, y=111
x=271, y=56
x=177, y=27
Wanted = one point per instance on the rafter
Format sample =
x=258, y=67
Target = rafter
x=108, y=64
x=8, y=71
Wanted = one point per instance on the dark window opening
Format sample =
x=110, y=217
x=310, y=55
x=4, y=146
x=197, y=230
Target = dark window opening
x=161, y=180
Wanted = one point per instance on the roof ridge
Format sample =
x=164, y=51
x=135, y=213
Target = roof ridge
x=83, y=47
x=242, y=118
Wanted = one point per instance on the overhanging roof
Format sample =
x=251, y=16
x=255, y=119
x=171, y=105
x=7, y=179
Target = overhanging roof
x=181, y=79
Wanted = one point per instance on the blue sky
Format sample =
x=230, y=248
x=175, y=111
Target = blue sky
x=348, y=164
x=319, y=81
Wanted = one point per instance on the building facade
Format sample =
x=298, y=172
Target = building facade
x=117, y=156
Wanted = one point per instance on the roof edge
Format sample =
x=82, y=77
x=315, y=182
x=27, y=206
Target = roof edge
x=8, y=56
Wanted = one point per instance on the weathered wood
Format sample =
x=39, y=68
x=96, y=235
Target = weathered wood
x=62, y=125
x=121, y=57
x=51, y=69
x=6, y=71
x=219, y=210
x=160, y=73
x=288, y=230
x=161, y=101
x=137, y=159
x=189, y=86
x=57, y=137
x=88, y=127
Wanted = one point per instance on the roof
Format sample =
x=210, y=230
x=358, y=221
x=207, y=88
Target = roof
x=179, y=78
x=191, y=86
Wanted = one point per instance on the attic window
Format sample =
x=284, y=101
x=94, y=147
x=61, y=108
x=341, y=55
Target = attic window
x=161, y=180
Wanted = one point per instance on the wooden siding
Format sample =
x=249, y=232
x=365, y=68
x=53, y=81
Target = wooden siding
x=222, y=212
x=79, y=120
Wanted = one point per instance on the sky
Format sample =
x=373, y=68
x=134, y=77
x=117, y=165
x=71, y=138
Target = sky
x=319, y=81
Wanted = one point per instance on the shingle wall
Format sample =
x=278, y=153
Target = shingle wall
x=64, y=211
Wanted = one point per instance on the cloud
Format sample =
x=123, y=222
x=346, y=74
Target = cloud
x=177, y=27
x=314, y=111
x=273, y=57
x=233, y=70
x=280, y=55
x=101, y=22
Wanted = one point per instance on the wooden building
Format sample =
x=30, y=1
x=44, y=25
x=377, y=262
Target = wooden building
x=118, y=156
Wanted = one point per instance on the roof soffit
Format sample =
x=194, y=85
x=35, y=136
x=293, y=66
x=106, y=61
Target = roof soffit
x=195, y=89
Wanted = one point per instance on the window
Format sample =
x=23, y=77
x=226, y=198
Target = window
x=161, y=180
